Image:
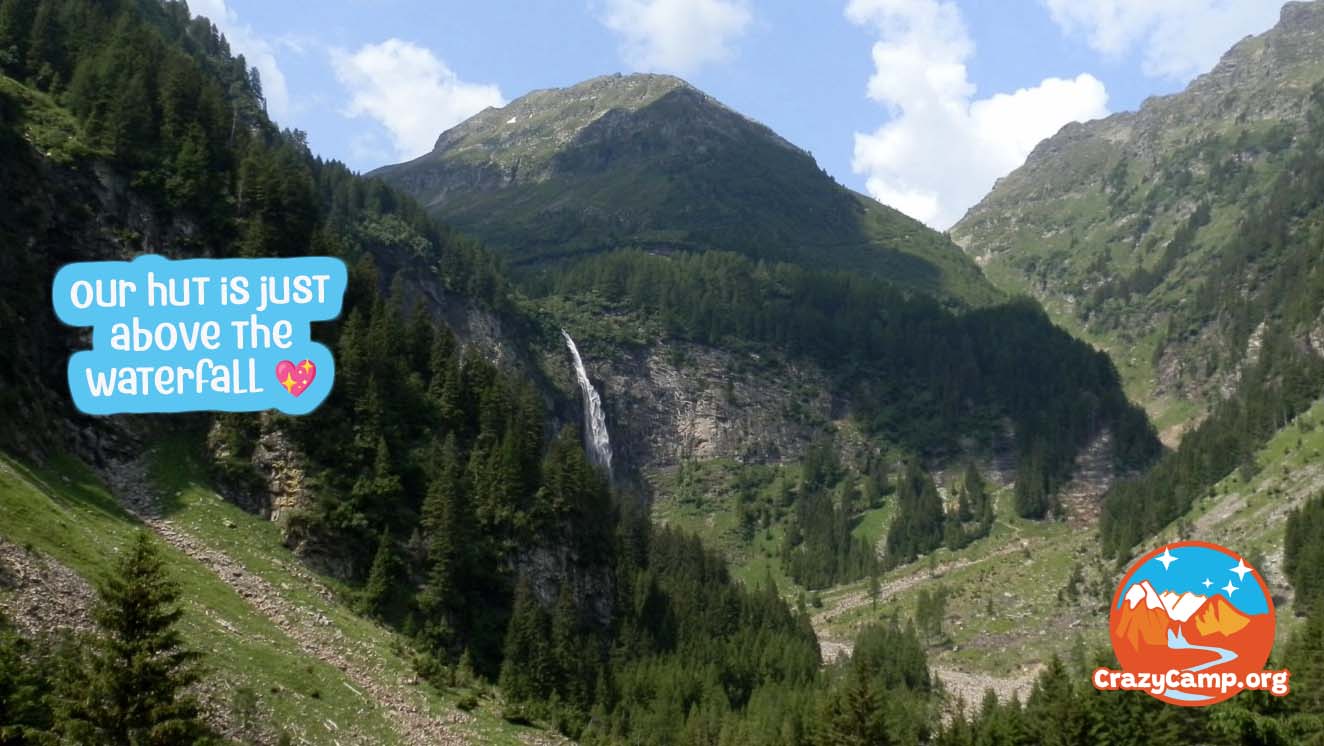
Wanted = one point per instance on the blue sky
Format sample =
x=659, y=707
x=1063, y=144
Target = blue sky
x=920, y=103
x=1191, y=567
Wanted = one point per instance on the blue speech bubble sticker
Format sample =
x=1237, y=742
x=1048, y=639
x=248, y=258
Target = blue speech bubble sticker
x=200, y=334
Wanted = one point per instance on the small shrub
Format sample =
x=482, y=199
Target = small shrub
x=516, y=715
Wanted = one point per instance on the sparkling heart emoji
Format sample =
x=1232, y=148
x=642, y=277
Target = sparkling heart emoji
x=296, y=378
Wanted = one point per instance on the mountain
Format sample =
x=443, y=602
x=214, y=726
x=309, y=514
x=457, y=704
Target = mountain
x=1183, y=239
x=431, y=535
x=1219, y=617
x=650, y=162
x=1177, y=236
x=1147, y=616
x=1181, y=607
x=1144, y=619
x=708, y=270
x=734, y=335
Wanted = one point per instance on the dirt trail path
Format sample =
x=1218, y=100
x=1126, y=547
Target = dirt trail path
x=832, y=648
x=312, y=631
x=964, y=685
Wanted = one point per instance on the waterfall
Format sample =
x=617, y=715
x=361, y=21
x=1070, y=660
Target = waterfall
x=595, y=422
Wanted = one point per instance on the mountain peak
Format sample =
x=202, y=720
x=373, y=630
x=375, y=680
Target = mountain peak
x=539, y=120
x=649, y=161
x=1143, y=591
x=1220, y=617
x=1301, y=12
x=1180, y=607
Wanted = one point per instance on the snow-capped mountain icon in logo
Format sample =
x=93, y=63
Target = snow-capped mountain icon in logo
x=1147, y=615
x=1192, y=607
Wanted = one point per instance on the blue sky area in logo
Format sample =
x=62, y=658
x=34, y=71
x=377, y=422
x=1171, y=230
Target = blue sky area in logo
x=1192, y=566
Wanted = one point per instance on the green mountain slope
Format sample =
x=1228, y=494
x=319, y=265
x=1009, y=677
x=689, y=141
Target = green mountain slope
x=430, y=556
x=663, y=225
x=435, y=484
x=1185, y=239
x=647, y=161
x=316, y=670
x=1150, y=232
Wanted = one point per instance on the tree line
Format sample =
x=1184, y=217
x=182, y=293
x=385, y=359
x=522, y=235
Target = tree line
x=919, y=374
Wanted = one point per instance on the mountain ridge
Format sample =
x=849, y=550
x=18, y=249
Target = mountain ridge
x=639, y=89
x=1118, y=224
x=1167, y=610
x=651, y=162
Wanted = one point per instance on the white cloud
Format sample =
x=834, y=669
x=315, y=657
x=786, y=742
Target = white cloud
x=258, y=52
x=678, y=36
x=409, y=91
x=1179, y=38
x=943, y=149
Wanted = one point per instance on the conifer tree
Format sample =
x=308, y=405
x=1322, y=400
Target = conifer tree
x=447, y=525
x=24, y=716
x=972, y=493
x=449, y=396
x=187, y=184
x=378, y=491
x=441, y=355
x=1054, y=711
x=1031, y=493
x=1303, y=554
x=854, y=716
x=918, y=527
x=15, y=27
x=528, y=668
x=572, y=664
x=130, y=688
x=1305, y=659
x=351, y=355
x=381, y=590
x=43, y=51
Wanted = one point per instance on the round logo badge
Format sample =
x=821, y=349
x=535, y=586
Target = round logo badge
x=1195, y=620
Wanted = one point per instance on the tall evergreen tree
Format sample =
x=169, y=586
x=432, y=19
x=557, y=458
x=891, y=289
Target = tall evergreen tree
x=131, y=684
x=24, y=716
x=528, y=671
x=378, y=492
x=918, y=526
x=854, y=716
x=1305, y=658
x=1032, y=497
x=1303, y=554
x=448, y=533
x=15, y=27
x=44, y=57
x=381, y=592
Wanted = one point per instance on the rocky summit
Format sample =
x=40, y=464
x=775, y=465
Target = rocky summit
x=650, y=162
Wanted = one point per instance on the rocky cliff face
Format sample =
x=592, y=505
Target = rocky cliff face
x=672, y=401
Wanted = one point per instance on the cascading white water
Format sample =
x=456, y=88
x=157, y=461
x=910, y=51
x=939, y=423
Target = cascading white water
x=595, y=422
